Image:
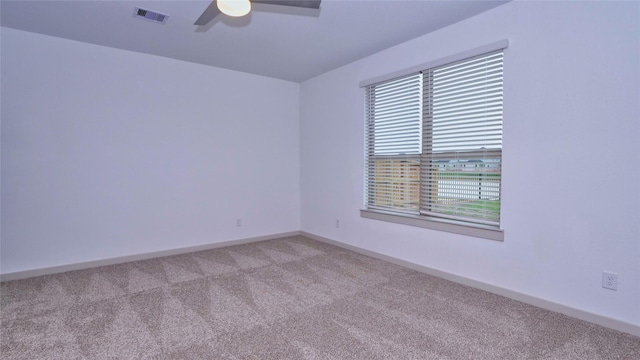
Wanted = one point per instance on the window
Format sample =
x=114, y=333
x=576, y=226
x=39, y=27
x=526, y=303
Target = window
x=434, y=143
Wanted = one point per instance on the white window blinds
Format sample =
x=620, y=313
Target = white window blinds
x=434, y=141
x=462, y=149
x=394, y=144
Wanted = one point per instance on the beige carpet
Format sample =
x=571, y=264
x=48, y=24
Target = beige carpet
x=290, y=298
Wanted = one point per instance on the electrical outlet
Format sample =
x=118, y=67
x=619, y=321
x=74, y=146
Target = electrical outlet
x=337, y=223
x=610, y=280
x=238, y=222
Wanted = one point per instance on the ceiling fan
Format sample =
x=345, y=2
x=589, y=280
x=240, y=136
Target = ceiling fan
x=242, y=7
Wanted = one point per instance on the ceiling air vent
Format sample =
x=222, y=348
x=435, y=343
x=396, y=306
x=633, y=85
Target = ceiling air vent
x=150, y=15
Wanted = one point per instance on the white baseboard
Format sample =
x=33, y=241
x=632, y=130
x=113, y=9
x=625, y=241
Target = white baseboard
x=124, y=259
x=611, y=323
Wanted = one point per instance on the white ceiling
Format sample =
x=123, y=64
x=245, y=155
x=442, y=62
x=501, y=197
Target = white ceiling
x=280, y=42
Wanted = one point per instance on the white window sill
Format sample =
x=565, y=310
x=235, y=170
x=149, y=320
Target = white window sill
x=456, y=227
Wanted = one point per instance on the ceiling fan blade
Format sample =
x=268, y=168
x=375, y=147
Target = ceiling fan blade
x=209, y=13
x=212, y=10
x=311, y=4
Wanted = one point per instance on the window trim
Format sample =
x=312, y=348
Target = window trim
x=424, y=221
x=428, y=222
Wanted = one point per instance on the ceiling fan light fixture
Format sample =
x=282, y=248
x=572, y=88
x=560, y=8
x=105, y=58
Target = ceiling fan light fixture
x=234, y=8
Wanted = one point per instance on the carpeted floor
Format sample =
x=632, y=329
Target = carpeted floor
x=290, y=298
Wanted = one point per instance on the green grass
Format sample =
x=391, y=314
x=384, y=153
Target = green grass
x=489, y=206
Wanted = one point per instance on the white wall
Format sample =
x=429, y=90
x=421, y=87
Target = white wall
x=571, y=176
x=109, y=153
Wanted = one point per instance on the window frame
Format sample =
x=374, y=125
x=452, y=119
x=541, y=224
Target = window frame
x=421, y=219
